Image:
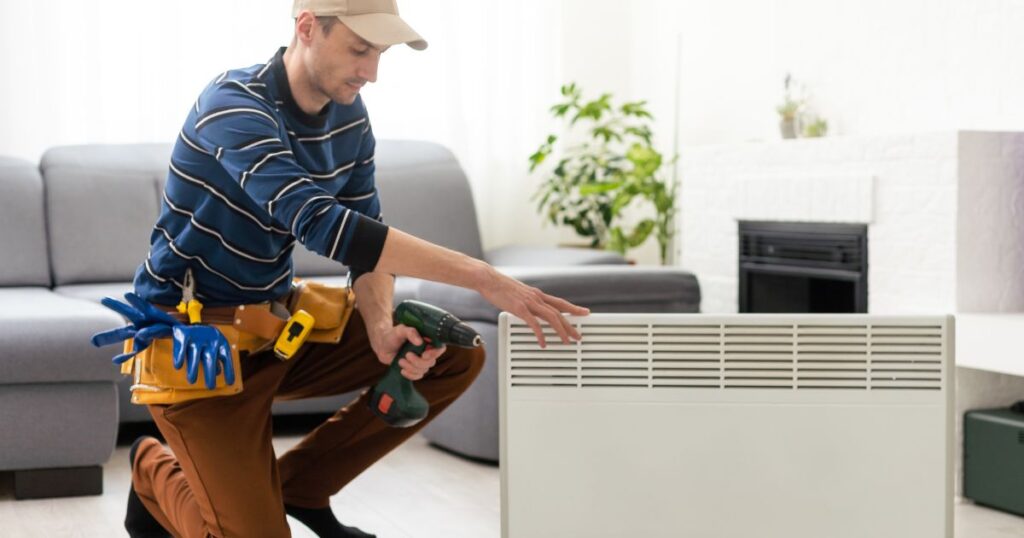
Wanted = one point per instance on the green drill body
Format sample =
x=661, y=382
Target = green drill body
x=393, y=398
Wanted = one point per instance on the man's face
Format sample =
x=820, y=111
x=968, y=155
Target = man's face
x=342, y=62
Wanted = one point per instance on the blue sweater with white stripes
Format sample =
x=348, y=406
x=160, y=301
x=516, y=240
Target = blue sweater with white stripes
x=250, y=175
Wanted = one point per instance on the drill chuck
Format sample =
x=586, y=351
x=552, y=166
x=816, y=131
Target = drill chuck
x=458, y=333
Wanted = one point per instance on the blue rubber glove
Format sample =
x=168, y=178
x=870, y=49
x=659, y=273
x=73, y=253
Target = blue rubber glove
x=203, y=344
x=193, y=344
x=147, y=323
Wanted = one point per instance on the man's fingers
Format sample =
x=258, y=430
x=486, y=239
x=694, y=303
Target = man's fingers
x=574, y=334
x=565, y=306
x=565, y=329
x=555, y=320
x=570, y=329
x=414, y=368
x=533, y=324
x=421, y=362
x=412, y=335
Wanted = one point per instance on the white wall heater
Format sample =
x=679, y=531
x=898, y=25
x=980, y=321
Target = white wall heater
x=732, y=426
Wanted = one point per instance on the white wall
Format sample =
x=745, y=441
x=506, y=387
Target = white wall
x=118, y=70
x=121, y=71
x=873, y=66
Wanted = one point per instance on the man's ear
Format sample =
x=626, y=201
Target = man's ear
x=305, y=26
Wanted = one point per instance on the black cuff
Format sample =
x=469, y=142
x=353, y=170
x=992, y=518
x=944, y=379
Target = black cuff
x=367, y=243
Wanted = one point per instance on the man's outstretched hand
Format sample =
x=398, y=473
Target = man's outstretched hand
x=529, y=303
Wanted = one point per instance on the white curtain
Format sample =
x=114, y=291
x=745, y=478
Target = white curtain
x=482, y=88
x=121, y=71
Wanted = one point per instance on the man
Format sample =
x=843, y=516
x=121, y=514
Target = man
x=270, y=155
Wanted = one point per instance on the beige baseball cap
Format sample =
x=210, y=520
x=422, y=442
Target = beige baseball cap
x=376, y=21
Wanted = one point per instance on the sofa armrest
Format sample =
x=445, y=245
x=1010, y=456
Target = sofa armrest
x=602, y=288
x=530, y=256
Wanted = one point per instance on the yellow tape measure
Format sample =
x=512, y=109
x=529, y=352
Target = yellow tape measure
x=294, y=334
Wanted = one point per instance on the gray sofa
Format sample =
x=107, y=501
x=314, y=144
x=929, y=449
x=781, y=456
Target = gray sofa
x=58, y=401
x=78, y=225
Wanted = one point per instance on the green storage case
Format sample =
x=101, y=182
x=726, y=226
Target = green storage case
x=994, y=459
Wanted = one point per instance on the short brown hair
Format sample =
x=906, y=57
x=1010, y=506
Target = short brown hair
x=326, y=23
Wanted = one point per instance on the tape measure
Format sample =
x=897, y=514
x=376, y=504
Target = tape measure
x=294, y=334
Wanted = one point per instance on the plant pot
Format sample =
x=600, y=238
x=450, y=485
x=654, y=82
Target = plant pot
x=788, y=128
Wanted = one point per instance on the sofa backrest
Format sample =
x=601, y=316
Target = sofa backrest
x=22, y=227
x=101, y=204
x=102, y=201
x=425, y=192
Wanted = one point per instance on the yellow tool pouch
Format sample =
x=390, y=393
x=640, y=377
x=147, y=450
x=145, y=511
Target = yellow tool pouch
x=330, y=306
x=250, y=329
x=156, y=381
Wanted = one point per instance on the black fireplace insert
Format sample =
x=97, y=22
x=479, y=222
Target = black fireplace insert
x=803, y=267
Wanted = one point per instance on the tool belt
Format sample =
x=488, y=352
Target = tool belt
x=248, y=329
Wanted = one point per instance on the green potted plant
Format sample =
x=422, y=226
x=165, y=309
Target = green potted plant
x=613, y=168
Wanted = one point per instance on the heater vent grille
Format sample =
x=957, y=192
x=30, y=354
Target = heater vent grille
x=725, y=356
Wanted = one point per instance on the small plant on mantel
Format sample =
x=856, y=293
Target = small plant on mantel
x=790, y=109
x=816, y=127
x=594, y=181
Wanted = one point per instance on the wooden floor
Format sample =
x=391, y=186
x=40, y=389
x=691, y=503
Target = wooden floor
x=417, y=491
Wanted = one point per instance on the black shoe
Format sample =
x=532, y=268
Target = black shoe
x=138, y=521
x=324, y=524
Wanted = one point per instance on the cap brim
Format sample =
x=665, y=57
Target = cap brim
x=383, y=29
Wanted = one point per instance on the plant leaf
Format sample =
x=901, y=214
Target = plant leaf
x=641, y=232
x=599, y=188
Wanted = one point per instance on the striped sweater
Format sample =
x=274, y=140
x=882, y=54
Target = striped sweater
x=251, y=174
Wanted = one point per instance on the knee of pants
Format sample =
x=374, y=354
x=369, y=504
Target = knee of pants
x=467, y=364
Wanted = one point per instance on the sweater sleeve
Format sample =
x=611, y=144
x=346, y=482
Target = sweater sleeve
x=360, y=193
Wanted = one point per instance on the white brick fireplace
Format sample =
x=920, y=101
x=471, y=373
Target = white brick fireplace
x=945, y=213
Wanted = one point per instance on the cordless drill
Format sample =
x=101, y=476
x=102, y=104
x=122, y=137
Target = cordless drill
x=393, y=398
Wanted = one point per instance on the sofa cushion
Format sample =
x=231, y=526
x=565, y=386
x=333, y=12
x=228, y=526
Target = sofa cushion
x=95, y=292
x=531, y=256
x=101, y=204
x=602, y=288
x=46, y=338
x=22, y=228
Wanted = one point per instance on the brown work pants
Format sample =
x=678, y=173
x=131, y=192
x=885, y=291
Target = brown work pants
x=221, y=476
